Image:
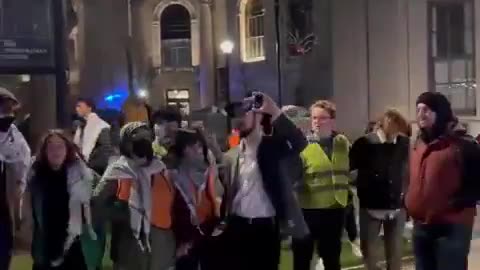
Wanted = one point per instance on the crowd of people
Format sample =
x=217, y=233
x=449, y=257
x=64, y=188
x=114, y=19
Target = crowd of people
x=168, y=198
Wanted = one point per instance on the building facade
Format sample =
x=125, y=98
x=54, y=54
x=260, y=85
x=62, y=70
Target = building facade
x=366, y=55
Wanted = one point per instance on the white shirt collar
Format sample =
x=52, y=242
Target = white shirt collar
x=383, y=138
x=249, y=147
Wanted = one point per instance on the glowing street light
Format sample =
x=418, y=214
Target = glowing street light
x=25, y=78
x=227, y=46
x=142, y=93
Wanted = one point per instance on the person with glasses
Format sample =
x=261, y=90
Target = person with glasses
x=323, y=193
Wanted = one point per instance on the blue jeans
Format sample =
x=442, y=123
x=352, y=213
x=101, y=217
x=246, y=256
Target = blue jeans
x=441, y=246
x=6, y=243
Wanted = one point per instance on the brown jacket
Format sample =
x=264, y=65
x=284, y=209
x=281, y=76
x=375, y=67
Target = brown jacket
x=435, y=179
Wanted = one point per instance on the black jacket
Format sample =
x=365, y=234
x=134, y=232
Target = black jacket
x=102, y=152
x=382, y=171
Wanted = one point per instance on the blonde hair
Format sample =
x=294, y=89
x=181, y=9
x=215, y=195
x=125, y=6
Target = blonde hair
x=327, y=106
x=398, y=123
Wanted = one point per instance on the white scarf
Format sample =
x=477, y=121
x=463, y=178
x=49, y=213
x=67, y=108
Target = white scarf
x=79, y=185
x=140, y=201
x=92, y=130
x=15, y=151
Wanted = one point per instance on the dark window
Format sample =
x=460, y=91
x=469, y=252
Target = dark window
x=452, y=61
x=450, y=22
x=175, y=23
x=176, y=37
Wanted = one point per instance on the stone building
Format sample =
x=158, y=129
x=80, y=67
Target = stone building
x=366, y=55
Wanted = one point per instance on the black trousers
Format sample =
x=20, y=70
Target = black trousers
x=74, y=260
x=203, y=254
x=351, y=223
x=326, y=229
x=252, y=244
x=6, y=242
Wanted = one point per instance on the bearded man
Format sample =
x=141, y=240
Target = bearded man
x=257, y=201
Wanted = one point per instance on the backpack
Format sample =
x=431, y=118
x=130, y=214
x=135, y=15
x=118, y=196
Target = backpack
x=469, y=193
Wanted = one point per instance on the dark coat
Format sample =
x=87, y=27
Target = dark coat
x=382, y=171
x=102, y=152
x=275, y=153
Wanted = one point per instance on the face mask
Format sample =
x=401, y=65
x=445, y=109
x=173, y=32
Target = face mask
x=198, y=163
x=142, y=150
x=159, y=131
x=6, y=122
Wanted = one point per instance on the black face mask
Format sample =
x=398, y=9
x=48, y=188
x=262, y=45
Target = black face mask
x=142, y=148
x=6, y=123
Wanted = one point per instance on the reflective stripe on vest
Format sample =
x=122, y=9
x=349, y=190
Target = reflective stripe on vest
x=326, y=180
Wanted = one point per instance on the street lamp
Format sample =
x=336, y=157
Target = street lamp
x=142, y=93
x=227, y=48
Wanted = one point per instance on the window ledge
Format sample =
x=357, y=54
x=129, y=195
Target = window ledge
x=174, y=69
x=253, y=60
x=469, y=118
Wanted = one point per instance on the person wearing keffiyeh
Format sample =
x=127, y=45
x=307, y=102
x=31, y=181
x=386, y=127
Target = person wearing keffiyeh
x=60, y=190
x=197, y=204
x=14, y=164
x=136, y=196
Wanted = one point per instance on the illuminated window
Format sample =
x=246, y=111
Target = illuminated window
x=452, y=54
x=176, y=37
x=252, y=30
x=180, y=99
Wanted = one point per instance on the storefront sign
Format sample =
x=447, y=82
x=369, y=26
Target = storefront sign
x=26, y=34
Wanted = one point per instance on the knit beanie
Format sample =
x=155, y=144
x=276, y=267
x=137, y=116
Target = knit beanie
x=439, y=104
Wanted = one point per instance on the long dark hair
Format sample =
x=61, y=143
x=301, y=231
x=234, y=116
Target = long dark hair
x=73, y=153
x=188, y=137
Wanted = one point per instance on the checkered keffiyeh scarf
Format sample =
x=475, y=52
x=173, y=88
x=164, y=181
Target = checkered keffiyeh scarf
x=128, y=129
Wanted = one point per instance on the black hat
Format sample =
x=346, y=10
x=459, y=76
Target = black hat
x=439, y=104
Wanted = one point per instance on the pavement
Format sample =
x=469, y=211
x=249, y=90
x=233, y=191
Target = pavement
x=474, y=258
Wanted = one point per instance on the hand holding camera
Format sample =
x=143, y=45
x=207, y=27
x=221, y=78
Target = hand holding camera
x=262, y=103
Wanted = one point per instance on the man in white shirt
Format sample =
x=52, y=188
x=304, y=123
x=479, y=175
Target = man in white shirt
x=93, y=137
x=257, y=200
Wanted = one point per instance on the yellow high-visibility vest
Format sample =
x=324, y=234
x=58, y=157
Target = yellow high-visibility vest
x=326, y=182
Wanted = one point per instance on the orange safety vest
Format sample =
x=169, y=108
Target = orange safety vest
x=162, y=199
x=234, y=140
x=208, y=206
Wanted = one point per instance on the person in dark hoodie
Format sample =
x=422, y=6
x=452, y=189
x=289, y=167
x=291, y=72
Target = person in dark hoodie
x=443, y=229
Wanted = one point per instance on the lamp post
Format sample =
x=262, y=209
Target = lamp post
x=278, y=47
x=227, y=48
